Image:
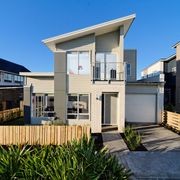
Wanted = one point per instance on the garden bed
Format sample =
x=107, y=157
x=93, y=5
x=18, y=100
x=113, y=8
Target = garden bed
x=141, y=147
x=133, y=139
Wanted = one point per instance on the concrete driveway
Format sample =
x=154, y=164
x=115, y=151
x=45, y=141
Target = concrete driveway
x=161, y=161
x=152, y=165
x=157, y=138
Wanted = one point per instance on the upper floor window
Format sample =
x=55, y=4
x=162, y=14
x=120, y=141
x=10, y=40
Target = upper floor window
x=17, y=78
x=8, y=77
x=78, y=63
x=105, y=66
x=128, y=69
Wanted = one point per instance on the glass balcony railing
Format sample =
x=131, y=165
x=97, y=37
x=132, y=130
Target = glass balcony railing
x=108, y=71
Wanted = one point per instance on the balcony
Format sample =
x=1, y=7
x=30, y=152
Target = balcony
x=109, y=71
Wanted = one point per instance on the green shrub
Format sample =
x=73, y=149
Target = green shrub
x=11, y=161
x=133, y=138
x=76, y=160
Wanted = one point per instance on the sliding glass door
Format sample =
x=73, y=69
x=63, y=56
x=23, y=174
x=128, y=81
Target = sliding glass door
x=106, y=66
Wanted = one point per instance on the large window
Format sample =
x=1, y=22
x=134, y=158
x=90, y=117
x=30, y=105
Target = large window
x=17, y=78
x=42, y=105
x=8, y=77
x=78, y=63
x=78, y=106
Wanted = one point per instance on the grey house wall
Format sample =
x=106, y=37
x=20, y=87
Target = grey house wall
x=65, y=84
x=168, y=66
x=60, y=85
x=130, y=57
x=27, y=104
x=108, y=42
x=80, y=44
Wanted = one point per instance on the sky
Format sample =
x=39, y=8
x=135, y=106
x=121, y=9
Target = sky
x=25, y=23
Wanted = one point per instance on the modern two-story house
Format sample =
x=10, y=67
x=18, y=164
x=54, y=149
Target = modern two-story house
x=88, y=86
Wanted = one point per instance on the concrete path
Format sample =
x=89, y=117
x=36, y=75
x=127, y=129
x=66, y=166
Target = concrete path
x=114, y=142
x=157, y=138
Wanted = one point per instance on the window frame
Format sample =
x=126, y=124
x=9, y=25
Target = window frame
x=38, y=109
x=78, y=60
x=6, y=77
x=78, y=114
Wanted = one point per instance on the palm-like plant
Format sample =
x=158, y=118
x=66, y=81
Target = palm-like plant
x=10, y=161
x=77, y=160
x=133, y=138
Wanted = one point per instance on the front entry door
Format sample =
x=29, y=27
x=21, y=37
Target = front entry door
x=109, y=109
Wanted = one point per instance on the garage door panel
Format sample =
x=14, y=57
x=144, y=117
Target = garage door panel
x=141, y=108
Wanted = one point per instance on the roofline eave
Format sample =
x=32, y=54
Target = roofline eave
x=89, y=30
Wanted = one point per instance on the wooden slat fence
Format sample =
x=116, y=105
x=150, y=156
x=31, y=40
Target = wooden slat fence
x=10, y=114
x=172, y=119
x=42, y=135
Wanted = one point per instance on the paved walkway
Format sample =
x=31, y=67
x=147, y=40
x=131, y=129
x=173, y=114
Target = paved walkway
x=161, y=161
x=114, y=142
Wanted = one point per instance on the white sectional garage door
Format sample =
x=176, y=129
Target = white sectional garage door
x=141, y=108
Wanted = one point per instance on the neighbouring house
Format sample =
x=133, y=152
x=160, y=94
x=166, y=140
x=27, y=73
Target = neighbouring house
x=11, y=84
x=166, y=69
x=163, y=70
x=94, y=81
x=39, y=95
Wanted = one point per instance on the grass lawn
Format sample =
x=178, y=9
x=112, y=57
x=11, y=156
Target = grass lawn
x=17, y=121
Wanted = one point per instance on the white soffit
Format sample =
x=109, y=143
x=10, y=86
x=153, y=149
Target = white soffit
x=38, y=74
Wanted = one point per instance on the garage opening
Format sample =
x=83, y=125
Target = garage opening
x=141, y=108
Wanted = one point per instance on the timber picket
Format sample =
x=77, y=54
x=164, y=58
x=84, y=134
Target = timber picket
x=42, y=135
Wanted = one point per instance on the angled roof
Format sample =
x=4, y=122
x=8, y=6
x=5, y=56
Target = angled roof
x=173, y=56
x=175, y=45
x=159, y=60
x=170, y=58
x=11, y=67
x=96, y=29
